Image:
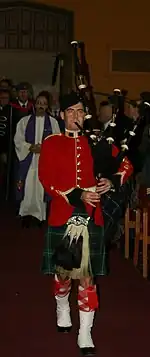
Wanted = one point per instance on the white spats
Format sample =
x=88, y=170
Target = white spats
x=88, y=303
x=86, y=323
x=62, y=291
x=63, y=311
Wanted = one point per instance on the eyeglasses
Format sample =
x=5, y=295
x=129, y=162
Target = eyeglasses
x=72, y=112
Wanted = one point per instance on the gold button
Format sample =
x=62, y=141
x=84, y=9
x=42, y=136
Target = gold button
x=78, y=163
x=78, y=178
x=78, y=155
x=78, y=170
x=52, y=187
x=78, y=140
x=78, y=186
x=78, y=147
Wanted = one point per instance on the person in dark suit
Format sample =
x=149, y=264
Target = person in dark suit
x=7, y=131
x=123, y=123
x=22, y=106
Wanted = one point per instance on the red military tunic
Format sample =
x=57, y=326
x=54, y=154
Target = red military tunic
x=66, y=163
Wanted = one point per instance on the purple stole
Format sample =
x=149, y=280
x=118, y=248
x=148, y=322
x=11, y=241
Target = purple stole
x=24, y=165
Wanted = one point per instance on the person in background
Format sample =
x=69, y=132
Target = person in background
x=56, y=111
x=6, y=83
x=4, y=97
x=123, y=123
x=30, y=133
x=13, y=93
x=143, y=178
x=137, y=111
x=7, y=131
x=105, y=115
x=22, y=106
x=48, y=96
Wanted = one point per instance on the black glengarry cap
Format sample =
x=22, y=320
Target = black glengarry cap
x=22, y=86
x=70, y=99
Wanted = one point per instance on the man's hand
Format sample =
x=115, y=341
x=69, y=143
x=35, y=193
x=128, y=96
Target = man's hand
x=90, y=197
x=103, y=186
x=35, y=149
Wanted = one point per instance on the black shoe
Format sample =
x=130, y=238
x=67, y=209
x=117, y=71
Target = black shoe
x=88, y=351
x=26, y=222
x=35, y=223
x=41, y=224
x=64, y=329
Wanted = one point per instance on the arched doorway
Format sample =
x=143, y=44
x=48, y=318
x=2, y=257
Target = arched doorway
x=30, y=37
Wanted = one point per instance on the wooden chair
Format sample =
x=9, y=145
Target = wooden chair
x=138, y=220
x=132, y=221
x=143, y=236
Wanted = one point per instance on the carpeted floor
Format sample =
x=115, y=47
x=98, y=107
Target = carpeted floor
x=27, y=317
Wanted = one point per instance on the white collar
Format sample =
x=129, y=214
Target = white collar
x=107, y=124
x=73, y=133
x=23, y=104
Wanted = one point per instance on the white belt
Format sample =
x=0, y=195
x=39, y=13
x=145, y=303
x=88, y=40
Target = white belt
x=89, y=189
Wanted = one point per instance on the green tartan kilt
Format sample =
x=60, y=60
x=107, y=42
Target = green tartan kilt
x=97, y=250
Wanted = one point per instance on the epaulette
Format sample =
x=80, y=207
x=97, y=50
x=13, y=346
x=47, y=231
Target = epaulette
x=49, y=136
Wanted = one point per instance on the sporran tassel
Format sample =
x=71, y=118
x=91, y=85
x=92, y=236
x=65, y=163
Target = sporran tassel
x=78, y=227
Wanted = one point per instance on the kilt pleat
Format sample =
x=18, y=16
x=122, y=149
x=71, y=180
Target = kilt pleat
x=53, y=239
x=113, y=208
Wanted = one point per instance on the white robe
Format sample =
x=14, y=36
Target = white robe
x=32, y=204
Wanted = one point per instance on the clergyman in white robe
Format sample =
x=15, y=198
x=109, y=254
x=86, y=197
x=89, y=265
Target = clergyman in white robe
x=33, y=202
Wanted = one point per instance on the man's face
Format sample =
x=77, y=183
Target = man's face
x=105, y=113
x=133, y=112
x=4, y=84
x=4, y=99
x=23, y=95
x=41, y=105
x=73, y=114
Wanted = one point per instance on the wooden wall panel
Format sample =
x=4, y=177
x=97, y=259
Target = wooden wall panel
x=31, y=27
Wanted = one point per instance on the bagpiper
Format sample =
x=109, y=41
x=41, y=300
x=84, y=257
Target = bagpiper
x=74, y=244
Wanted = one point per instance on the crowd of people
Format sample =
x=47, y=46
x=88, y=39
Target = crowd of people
x=18, y=111
x=50, y=165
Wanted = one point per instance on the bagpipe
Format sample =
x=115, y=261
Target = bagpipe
x=84, y=88
x=105, y=163
x=101, y=145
